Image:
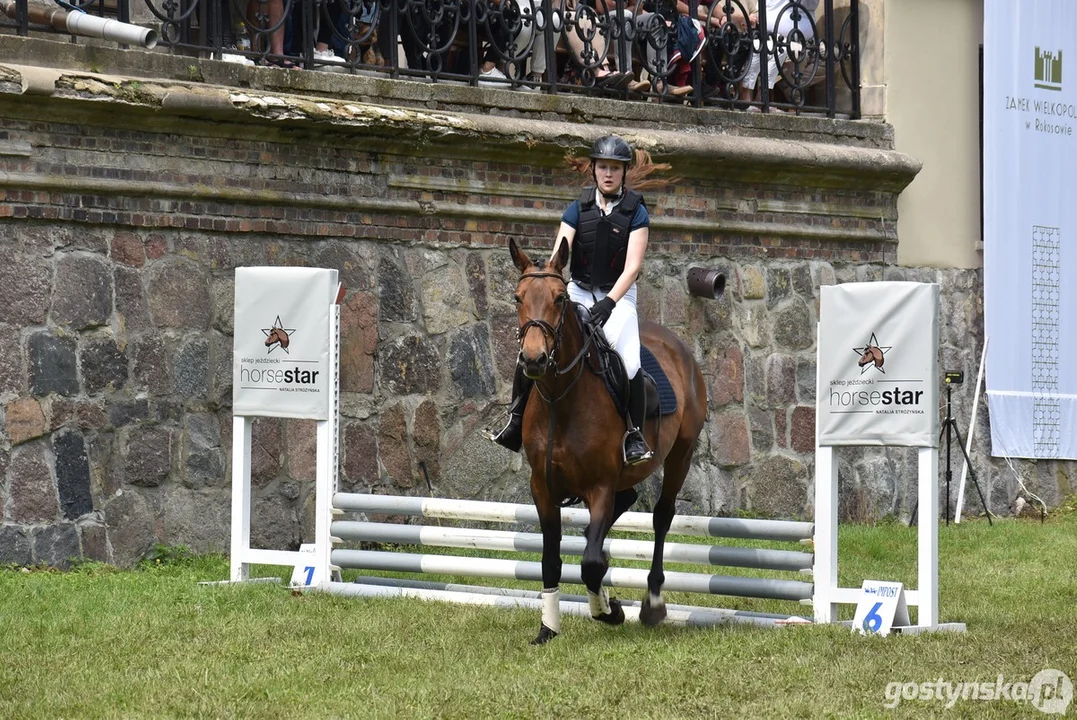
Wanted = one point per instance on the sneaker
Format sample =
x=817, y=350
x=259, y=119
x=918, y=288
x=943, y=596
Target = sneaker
x=489, y=78
x=328, y=61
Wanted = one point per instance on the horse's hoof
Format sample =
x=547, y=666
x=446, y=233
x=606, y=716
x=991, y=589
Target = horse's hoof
x=545, y=635
x=616, y=615
x=652, y=614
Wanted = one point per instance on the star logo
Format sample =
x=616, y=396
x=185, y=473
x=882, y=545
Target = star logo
x=277, y=336
x=872, y=354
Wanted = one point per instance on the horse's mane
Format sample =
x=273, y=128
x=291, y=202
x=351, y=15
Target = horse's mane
x=638, y=177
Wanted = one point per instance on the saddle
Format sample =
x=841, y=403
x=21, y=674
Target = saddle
x=661, y=399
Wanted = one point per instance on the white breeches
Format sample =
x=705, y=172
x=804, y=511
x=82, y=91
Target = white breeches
x=622, y=329
x=751, y=78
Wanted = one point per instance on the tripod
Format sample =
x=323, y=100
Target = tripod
x=949, y=426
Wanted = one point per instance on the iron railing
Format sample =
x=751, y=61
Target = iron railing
x=663, y=50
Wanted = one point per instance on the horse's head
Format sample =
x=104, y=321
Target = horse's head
x=278, y=336
x=541, y=302
x=871, y=354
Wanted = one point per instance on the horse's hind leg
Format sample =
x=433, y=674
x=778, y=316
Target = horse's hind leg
x=603, y=505
x=653, y=610
x=550, y=521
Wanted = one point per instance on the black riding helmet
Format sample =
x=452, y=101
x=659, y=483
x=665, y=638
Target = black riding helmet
x=611, y=147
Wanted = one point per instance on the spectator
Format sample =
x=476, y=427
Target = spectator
x=780, y=19
x=266, y=20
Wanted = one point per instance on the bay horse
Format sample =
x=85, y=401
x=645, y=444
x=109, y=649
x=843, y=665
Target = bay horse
x=572, y=435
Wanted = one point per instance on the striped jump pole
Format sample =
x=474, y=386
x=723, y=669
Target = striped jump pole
x=695, y=525
x=788, y=560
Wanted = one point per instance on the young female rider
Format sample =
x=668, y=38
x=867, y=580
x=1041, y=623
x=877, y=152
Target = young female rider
x=607, y=230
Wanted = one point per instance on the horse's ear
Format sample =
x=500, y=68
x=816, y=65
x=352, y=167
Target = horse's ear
x=561, y=258
x=519, y=257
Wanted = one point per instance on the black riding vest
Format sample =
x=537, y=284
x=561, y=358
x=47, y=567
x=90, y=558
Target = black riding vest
x=601, y=244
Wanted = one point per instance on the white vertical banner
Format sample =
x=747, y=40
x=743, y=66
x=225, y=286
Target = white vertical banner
x=1030, y=226
x=878, y=369
x=280, y=361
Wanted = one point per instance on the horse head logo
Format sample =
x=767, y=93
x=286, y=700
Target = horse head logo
x=277, y=336
x=871, y=355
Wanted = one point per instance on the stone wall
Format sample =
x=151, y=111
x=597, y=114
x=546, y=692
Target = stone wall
x=126, y=205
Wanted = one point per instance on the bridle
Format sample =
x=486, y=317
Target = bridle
x=551, y=339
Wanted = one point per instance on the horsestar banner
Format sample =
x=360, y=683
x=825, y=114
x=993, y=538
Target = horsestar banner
x=280, y=361
x=1030, y=226
x=878, y=367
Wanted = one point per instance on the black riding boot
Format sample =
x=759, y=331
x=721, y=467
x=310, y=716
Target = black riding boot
x=635, y=449
x=511, y=436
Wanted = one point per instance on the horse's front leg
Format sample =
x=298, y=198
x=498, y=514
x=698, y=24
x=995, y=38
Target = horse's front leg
x=594, y=565
x=550, y=521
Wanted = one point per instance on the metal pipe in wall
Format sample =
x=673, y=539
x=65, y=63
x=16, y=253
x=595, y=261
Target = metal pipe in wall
x=706, y=283
x=80, y=23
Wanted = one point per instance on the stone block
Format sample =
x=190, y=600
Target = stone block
x=729, y=439
x=190, y=370
x=801, y=279
x=675, y=301
x=777, y=487
x=72, y=473
x=781, y=428
x=802, y=429
x=781, y=371
x=393, y=446
x=151, y=370
x=752, y=285
x=397, y=294
x=762, y=427
x=103, y=365
x=200, y=519
x=267, y=450
x=793, y=326
x=32, y=490
x=475, y=269
x=755, y=379
x=146, y=455
x=12, y=381
x=274, y=524
x=131, y=307
x=127, y=249
x=128, y=412
x=426, y=436
x=202, y=453
x=409, y=366
x=178, y=294
x=85, y=414
x=94, y=540
x=750, y=319
x=52, y=364
x=779, y=286
x=25, y=289
x=724, y=369
x=25, y=420
x=360, y=464
x=15, y=548
x=56, y=545
x=506, y=348
x=358, y=342
x=130, y=521
x=82, y=297
x=806, y=380
x=223, y=295
x=446, y=301
x=302, y=438
x=470, y=365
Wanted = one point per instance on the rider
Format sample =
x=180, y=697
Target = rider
x=607, y=230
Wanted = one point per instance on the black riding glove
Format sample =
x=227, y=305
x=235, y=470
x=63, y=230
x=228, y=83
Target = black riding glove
x=601, y=310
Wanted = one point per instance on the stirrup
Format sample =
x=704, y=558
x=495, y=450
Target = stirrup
x=504, y=438
x=647, y=454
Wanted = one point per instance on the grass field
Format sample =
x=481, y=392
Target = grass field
x=99, y=642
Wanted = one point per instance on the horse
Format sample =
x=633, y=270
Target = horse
x=872, y=355
x=572, y=434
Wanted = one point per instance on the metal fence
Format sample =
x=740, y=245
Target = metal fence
x=804, y=60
